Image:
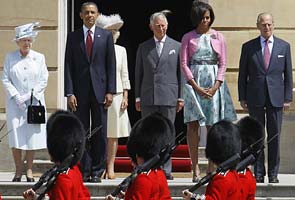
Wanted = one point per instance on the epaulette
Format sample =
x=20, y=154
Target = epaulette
x=146, y=172
x=66, y=171
x=242, y=172
x=223, y=173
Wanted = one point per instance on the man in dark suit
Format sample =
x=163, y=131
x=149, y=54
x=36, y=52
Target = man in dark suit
x=90, y=81
x=158, y=76
x=265, y=89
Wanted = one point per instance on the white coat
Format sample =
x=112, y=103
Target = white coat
x=20, y=76
x=118, y=124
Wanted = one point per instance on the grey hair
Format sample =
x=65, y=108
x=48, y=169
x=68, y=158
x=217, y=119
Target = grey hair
x=263, y=14
x=161, y=14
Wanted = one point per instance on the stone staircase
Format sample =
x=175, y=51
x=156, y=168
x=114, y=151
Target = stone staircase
x=285, y=190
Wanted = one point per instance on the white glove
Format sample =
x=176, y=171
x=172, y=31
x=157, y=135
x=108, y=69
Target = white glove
x=27, y=96
x=199, y=197
x=22, y=106
x=21, y=99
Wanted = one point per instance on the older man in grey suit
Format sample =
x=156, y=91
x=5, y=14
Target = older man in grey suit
x=265, y=89
x=158, y=76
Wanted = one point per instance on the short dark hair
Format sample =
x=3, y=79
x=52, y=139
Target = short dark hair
x=65, y=136
x=88, y=3
x=198, y=10
x=251, y=131
x=149, y=136
x=223, y=141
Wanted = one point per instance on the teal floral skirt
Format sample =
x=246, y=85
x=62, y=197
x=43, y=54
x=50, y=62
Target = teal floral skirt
x=207, y=111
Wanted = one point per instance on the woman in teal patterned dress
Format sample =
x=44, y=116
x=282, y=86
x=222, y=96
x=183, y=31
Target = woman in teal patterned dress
x=203, y=62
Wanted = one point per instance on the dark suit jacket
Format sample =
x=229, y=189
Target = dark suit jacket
x=158, y=80
x=82, y=74
x=253, y=79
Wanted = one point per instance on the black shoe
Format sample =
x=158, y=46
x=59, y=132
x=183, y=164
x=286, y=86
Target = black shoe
x=169, y=177
x=86, y=179
x=259, y=179
x=273, y=179
x=16, y=179
x=95, y=179
x=30, y=179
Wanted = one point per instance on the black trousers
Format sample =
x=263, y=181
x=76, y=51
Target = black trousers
x=271, y=117
x=93, y=115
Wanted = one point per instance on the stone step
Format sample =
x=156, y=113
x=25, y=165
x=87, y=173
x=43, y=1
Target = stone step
x=285, y=190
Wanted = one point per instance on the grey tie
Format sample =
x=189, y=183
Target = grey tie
x=159, y=48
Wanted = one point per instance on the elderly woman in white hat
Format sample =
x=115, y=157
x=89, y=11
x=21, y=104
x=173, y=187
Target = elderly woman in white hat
x=118, y=124
x=24, y=72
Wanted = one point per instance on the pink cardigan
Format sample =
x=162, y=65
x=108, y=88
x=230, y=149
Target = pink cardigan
x=189, y=45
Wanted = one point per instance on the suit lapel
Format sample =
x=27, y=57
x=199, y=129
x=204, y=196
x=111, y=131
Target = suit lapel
x=154, y=52
x=258, y=50
x=152, y=55
x=164, y=54
x=96, y=37
x=82, y=43
x=274, y=52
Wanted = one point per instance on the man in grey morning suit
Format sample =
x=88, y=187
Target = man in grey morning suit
x=265, y=89
x=90, y=81
x=158, y=76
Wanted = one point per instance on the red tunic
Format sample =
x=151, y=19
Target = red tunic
x=248, y=183
x=149, y=186
x=224, y=186
x=69, y=186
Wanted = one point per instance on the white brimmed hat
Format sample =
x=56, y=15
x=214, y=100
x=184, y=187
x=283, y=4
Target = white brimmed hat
x=26, y=30
x=112, y=22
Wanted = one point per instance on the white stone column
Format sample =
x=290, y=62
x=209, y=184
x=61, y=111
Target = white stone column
x=62, y=36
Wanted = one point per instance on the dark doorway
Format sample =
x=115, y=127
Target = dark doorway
x=135, y=30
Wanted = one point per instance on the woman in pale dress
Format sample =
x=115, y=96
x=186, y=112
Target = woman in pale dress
x=206, y=96
x=24, y=71
x=118, y=124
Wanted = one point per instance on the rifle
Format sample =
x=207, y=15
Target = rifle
x=153, y=162
x=48, y=179
x=166, y=153
x=226, y=165
x=89, y=134
x=3, y=125
x=250, y=155
x=251, y=149
x=139, y=169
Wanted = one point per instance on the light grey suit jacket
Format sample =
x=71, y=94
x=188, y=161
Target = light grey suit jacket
x=158, y=80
